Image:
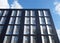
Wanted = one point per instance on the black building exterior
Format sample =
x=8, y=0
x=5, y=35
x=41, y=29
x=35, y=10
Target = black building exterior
x=27, y=26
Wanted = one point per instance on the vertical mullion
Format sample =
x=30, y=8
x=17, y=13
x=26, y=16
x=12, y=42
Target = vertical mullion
x=20, y=40
x=39, y=40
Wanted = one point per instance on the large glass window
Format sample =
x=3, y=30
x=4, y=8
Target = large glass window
x=33, y=20
x=46, y=13
x=33, y=29
x=48, y=21
x=14, y=39
x=1, y=12
x=18, y=20
x=3, y=20
x=7, y=39
x=1, y=29
x=27, y=20
x=43, y=29
x=52, y=39
x=50, y=29
x=33, y=39
x=12, y=20
x=44, y=39
x=16, y=29
x=9, y=29
x=14, y=13
x=41, y=20
x=26, y=13
x=25, y=39
x=19, y=13
x=40, y=13
x=32, y=13
x=26, y=29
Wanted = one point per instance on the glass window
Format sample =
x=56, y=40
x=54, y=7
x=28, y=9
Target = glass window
x=26, y=13
x=40, y=13
x=19, y=13
x=18, y=20
x=33, y=20
x=43, y=29
x=32, y=13
x=1, y=28
x=48, y=21
x=26, y=29
x=16, y=29
x=14, y=39
x=14, y=13
x=12, y=20
x=33, y=39
x=44, y=39
x=50, y=29
x=26, y=20
x=3, y=20
x=51, y=39
x=1, y=12
x=41, y=20
x=25, y=39
x=5, y=13
x=33, y=29
x=9, y=29
x=46, y=13
x=7, y=39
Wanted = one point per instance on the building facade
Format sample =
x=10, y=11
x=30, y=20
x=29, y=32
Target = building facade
x=27, y=26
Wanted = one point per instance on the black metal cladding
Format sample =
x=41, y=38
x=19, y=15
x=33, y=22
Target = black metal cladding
x=27, y=26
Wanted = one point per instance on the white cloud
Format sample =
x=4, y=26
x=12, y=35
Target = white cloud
x=57, y=7
x=58, y=32
x=16, y=5
x=4, y=4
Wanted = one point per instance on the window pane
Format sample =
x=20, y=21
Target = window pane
x=33, y=39
x=26, y=29
x=33, y=29
x=5, y=13
x=16, y=29
x=26, y=13
x=1, y=29
x=14, y=39
x=50, y=29
x=1, y=12
x=32, y=13
x=9, y=29
x=48, y=21
x=3, y=20
x=19, y=13
x=44, y=39
x=43, y=29
x=25, y=39
x=40, y=13
x=46, y=13
x=33, y=20
x=12, y=20
x=7, y=39
x=18, y=20
x=41, y=20
x=14, y=13
x=26, y=20
x=52, y=39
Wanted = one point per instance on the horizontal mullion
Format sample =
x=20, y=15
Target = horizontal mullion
x=10, y=16
x=9, y=24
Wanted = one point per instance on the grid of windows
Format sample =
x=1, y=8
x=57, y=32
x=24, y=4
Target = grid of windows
x=27, y=26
